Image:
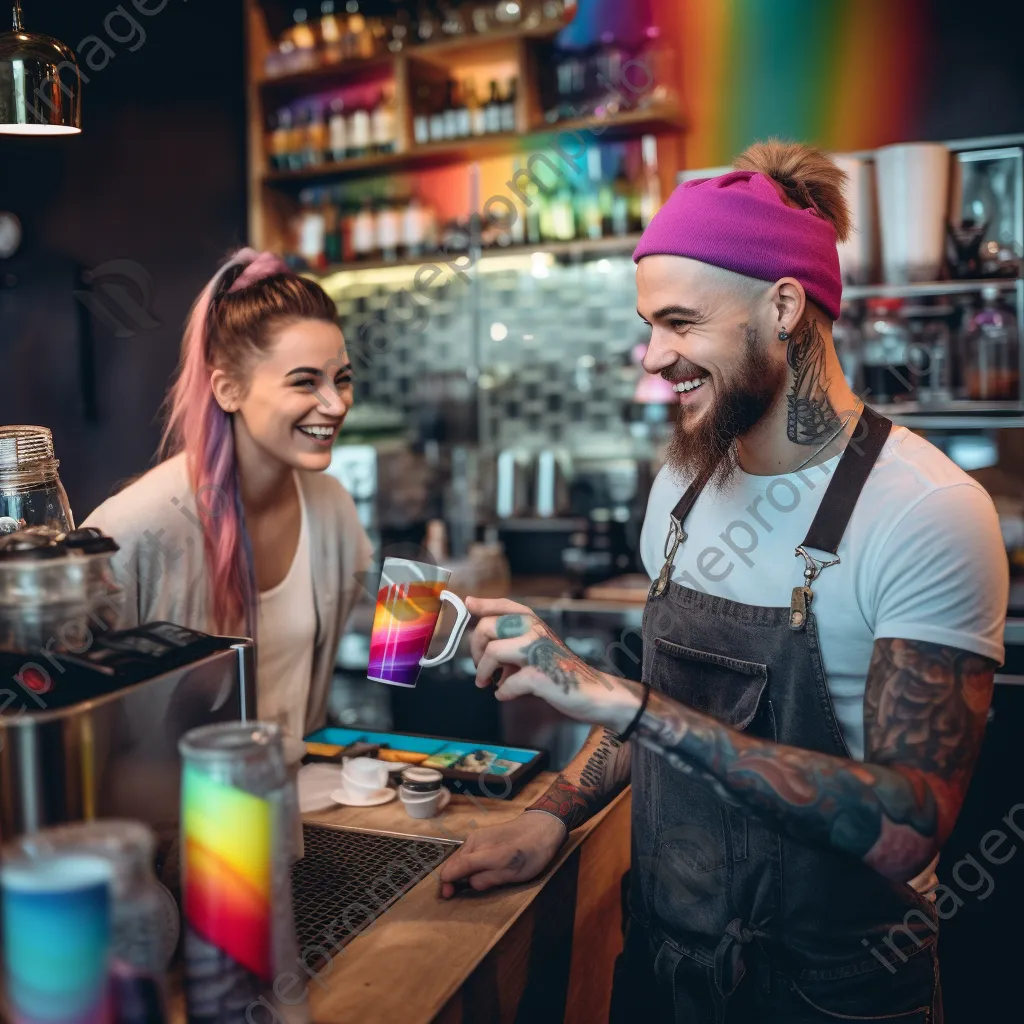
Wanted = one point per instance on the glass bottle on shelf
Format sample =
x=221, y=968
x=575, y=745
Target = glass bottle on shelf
x=492, y=110
x=359, y=131
x=331, y=49
x=337, y=130
x=311, y=230
x=451, y=114
x=412, y=230
x=304, y=39
x=437, y=120
x=382, y=126
x=563, y=213
x=477, y=114
x=992, y=356
x=296, y=141
x=317, y=143
x=888, y=376
x=389, y=230
x=847, y=340
x=622, y=190
x=650, y=196
x=591, y=218
x=426, y=23
x=364, y=232
x=359, y=39
x=332, y=228
x=302, y=154
x=421, y=119
x=931, y=356
x=399, y=35
x=507, y=114
x=453, y=20
x=280, y=140
x=463, y=116
x=533, y=218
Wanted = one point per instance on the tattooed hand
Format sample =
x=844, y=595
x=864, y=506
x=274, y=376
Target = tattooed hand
x=516, y=651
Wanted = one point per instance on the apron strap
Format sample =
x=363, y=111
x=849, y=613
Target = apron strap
x=861, y=453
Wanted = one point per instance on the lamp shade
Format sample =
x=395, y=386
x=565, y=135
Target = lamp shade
x=40, y=85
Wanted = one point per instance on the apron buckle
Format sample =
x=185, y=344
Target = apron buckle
x=799, y=604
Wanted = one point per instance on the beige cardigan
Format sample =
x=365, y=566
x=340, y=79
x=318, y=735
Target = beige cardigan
x=163, y=570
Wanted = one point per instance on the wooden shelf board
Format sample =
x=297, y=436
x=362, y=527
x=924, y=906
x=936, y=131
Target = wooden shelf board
x=325, y=74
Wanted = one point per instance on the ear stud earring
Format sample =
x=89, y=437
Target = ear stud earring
x=783, y=335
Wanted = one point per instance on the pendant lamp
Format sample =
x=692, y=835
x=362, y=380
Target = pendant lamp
x=40, y=85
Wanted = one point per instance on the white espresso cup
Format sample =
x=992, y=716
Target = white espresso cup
x=364, y=776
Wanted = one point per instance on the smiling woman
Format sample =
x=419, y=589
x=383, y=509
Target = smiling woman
x=263, y=389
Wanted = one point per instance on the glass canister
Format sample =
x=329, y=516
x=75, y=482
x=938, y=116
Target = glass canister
x=144, y=916
x=31, y=493
x=238, y=806
x=57, y=933
x=992, y=356
x=888, y=375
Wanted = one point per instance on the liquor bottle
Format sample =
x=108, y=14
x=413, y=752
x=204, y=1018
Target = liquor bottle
x=364, y=232
x=332, y=228
x=331, y=49
x=563, y=213
x=304, y=40
x=383, y=122
x=492, y=110
x=507, y=114
x=359, y=131
x=303, y=155
x=591, y=218
x=477, y=114
x=280, y=140
x=359, y=42
x=621, y=191
x=337, y=130
x=451, y=114
x=412, y=239
x=533, y=213
x=317, y=144
x=650, y=196
x=311, y=232
x=389, y=230
x=463, y=118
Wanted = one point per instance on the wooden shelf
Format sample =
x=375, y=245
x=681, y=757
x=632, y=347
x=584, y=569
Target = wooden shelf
x=422, y=51
x=433, y=154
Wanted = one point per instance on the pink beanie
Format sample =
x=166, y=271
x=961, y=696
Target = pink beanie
x=741, y=222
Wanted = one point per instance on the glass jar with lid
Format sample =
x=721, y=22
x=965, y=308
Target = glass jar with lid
x=888, y=374
x=31, y=493
x=992, y=351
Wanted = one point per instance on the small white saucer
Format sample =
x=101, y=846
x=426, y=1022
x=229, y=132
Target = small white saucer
x=349, y=799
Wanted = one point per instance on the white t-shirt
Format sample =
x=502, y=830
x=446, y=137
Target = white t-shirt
x=922, y=559
x=285, y=641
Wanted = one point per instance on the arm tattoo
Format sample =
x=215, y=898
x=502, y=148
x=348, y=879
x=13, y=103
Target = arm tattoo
x=811, y=416
x=925, y=709
x=595, y=775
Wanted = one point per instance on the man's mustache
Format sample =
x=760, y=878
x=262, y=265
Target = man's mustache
x=683, y=371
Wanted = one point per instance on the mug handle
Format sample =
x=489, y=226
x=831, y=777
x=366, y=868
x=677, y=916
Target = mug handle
x=460, y=627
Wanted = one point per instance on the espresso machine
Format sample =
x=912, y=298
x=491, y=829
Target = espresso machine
x=90, y=716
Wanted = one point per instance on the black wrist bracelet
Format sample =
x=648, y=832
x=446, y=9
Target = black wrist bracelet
x=622, y=737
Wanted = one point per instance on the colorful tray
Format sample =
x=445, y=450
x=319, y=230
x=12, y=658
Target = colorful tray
x=509, y=769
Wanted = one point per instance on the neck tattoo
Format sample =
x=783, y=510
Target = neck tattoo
x=811, y=416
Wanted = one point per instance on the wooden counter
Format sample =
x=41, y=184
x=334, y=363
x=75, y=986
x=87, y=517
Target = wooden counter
x=541, y=952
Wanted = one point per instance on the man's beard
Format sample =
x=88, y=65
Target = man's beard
x=703, y=446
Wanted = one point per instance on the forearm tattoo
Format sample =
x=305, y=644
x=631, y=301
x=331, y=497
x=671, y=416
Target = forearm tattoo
x=925, y=710
x=596, y=775
x=811, y=416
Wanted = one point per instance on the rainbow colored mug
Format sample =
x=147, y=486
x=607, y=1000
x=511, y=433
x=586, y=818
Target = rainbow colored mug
x=409, y=603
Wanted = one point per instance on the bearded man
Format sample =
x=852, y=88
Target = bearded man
x=826, y=614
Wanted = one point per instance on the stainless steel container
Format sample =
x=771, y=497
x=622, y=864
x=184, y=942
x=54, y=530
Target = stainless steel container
x=56, y=590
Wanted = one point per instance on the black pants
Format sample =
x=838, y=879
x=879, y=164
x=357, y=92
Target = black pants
x=657, y=983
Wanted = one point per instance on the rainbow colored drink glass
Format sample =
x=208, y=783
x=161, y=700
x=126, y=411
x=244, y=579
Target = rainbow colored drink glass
x=235, y=862
x=56, y=938
x=408, y=608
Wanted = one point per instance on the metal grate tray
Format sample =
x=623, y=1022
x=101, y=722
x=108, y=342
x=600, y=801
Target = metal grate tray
x=348, y=878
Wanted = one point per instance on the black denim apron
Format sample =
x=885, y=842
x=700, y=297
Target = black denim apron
x=730, y=920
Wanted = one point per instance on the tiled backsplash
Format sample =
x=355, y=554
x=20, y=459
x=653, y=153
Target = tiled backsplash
x=551, y=343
